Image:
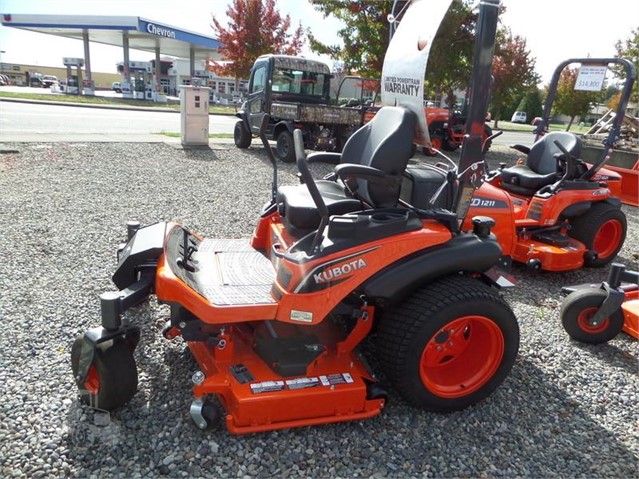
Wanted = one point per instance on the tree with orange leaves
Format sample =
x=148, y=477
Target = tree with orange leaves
x=255, y=28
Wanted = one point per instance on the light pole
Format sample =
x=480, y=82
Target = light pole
x=1, y=65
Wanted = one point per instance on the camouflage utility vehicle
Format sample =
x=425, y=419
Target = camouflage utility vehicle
x=295, y=93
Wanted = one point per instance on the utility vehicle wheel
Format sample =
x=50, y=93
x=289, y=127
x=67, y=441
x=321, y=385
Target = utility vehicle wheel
x=436, y=143
x=285, y=147
x=577, y=312
x=112, y=378
x=241, y=136
x=603, y=230
x=450, y=344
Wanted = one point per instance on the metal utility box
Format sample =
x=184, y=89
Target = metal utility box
x=194, y=112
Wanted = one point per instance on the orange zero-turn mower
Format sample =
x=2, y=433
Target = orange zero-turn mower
x=552, y=210
x=275, y=321
x=596, y=313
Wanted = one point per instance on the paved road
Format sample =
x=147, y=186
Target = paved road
x=18, y=121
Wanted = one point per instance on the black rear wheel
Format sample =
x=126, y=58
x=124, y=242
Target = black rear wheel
x=601, y=229
x=577, y=312
x=285, y=147
x=112, y=378
x=450, y=344
x=241, y=136
x=448, y=145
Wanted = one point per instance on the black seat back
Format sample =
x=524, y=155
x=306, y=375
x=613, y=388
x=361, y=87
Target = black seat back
x=541, y=158
x=384, y=143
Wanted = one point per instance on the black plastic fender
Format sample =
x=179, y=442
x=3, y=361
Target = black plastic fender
x=244, y=117
x=144, y=248
x=466, y=252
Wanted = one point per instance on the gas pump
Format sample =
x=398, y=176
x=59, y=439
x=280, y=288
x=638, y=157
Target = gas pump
x=140, y=80
x=74, y=75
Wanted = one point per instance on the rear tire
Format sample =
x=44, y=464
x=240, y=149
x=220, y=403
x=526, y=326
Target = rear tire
x=285, y=147
x=112, y=378
x=241, y=136
x=449, y=345
x=601, y=229
x=578, y=309
x=449, y=146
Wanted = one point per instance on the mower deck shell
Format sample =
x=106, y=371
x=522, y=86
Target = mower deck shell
x=334, y=388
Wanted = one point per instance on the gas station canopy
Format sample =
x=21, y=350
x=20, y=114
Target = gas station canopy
x=143, y=34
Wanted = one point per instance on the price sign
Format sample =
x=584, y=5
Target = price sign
x=591, y=77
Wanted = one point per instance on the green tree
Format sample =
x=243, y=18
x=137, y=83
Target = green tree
x=255, y=28
x=530, y=103
x=366, y=34
x=571, y=102
x=629, y=49
x=513, y=72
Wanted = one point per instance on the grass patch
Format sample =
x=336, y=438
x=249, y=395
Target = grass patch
x=173, y=134
x=508, y=126
x=109, y=101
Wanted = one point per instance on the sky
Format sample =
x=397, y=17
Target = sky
x=555, y=30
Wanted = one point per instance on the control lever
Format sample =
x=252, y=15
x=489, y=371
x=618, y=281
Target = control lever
x=308, y=180
x=271, y=156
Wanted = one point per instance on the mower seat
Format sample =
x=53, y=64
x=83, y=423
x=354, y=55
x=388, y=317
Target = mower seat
x=541, y=165
x=384, y=146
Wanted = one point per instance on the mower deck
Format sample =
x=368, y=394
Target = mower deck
x=335, y=387
x=630, y=309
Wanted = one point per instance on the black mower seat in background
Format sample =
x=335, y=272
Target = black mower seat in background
x=541, y=165
x=385, y=144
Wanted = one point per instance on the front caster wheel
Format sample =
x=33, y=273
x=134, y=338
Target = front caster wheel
x=450, y=344
x=205, y=413
x=577, y=312
x=112, y=378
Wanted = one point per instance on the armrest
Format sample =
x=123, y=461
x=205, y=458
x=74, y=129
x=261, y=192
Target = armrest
x=522, y=148
x=350, y=170
x=325, y=157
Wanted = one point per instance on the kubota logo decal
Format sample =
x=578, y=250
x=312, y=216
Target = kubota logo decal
x=335, y=272
x=329, y=274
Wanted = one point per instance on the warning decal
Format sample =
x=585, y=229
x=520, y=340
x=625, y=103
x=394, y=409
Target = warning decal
x=301, y=383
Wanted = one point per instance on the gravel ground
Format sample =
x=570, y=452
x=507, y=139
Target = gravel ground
x=566, y=410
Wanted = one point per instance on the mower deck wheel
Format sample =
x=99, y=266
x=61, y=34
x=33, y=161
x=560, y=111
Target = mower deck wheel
x=601, y=229
x=577, y=312
x=112, y=378
x=205, y=413
x=241, y=136
x=450, y=344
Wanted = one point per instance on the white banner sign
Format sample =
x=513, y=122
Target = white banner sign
x=591, y=77
x=405, y=61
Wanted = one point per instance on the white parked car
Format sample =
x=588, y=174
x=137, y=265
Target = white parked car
x=519, y=117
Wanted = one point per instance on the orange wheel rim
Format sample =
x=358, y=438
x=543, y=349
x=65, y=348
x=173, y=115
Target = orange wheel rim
x=584, y=321
x=462, y=356
x=92, y=381
x=607, y=238
x=436, y=143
